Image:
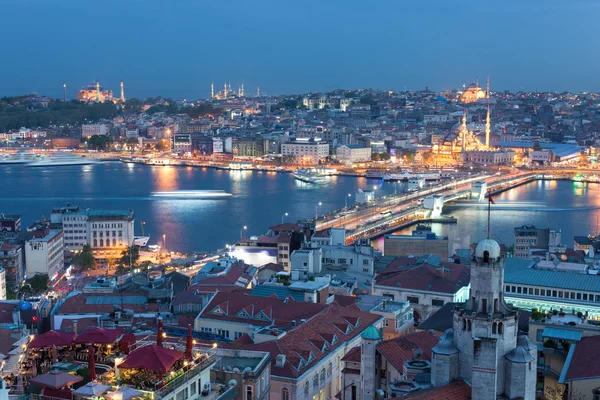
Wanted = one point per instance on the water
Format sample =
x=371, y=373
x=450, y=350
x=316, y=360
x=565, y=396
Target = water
x=260, y=199
x=573, y=207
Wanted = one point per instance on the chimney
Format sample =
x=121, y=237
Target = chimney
x=280, y=361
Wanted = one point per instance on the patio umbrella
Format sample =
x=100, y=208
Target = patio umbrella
x=153, y=358
x=91, y=389
x=99, y=336
x=124, y=393
x=127, y=340
x=189, y=344
x=52, y=338
x=159, y=337
x=56, y=379
x=92, y=362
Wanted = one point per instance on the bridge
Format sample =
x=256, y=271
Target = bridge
x=394, y=212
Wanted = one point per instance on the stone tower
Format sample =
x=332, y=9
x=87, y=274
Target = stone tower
x=370, y=338
x=444, y=360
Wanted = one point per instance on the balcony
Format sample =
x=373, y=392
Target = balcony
x=172, y=385
x=551, y=372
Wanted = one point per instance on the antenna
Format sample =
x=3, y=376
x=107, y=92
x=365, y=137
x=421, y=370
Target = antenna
x=489, y=213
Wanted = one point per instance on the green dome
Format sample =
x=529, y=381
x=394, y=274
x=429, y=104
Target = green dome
x=371, y=333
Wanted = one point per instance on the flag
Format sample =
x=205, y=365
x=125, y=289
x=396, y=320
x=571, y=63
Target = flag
x=491, y=200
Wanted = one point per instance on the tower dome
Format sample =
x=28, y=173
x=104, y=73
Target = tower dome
x=371, y=333
x=519, y=355
x=525, y=342
x=491, y=246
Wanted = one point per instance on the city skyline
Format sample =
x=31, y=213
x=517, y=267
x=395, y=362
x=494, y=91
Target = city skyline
x=299, y=48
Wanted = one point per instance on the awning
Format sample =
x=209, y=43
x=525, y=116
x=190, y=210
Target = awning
x=91, y=389
x=56, y=379
x=562, y=334
x=99, y=336
x=52, y=338
x=124, y=394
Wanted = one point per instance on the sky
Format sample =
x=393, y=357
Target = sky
x=176, y=48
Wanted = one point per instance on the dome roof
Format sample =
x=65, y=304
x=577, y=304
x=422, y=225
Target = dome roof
x=489, y=245
x=445, y=347
x=519, y=355
x=371, y=333
x=448, y=335
x=525, y=342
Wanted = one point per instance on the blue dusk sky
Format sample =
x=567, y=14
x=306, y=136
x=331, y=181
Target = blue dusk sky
x=176, y=48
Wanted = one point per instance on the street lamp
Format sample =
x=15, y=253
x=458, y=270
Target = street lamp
x=317, y=213
x=346, y=202
x=242, y=231
x=165, y=242
x=284, y=215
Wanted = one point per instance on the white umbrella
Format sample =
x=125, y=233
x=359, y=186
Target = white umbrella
x=125, y=393
x=91, y=389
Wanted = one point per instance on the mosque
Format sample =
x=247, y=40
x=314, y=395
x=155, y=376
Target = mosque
x=473, y=93
x=96, y=93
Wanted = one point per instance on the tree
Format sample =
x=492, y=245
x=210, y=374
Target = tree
x=163, y=145
x=368, y=100
x=39, y=283
x=85, y=259
x=135, y=256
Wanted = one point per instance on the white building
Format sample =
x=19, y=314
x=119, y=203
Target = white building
x=106, y=231
x=89, y=130
x=218, y=146
x=182, y=143
x=2, y=284
x=353, y=153
x=45, y=255
x=306, y=151
x=132, y=133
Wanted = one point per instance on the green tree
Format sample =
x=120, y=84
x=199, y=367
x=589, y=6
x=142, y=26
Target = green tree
x=135, y=256
x=38, y=283
x=85, y=259
x=368, y=100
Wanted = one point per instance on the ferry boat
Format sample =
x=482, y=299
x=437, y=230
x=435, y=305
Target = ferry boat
x=19, y=158
x=374, y=175
x=193, y=194
x=309, y=176
x=60, y=160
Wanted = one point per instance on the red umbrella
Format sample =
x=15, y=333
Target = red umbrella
x=92, y=362
x=190, y=343
x=159, y=338
x=153, y=358
x=126, y=342
x=52, y=338
x=99, y=336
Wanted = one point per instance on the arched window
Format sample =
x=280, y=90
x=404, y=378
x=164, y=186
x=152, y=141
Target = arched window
x=329, y=368
x=494, y=327
x=486, y=256
x=101, y=242
x=316, y=382
x=306, y=388
x=500, y=327
x=469, y=324
x=95, y=243
x=464, y=324
x=323, y=375
x=249, y=393
x=114, y=242
x=285, y=394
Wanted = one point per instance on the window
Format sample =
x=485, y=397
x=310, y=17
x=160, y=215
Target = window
x=285, y=394
x=554, y=293
x=437, y=303
x=518, y=289
x=315, y=382
x=329, y=369
x=323, y=375
x=365, y=262
x=507, y=288
x=585, y=296
x=539, y=336
x=537, y=292
x=530, y=290
x=578, y=296
x=412, y=299
x=306, y=388
x=249, y=393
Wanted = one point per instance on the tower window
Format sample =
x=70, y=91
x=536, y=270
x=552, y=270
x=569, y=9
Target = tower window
x=494, y=328
x=500, y=327
x=486, y=256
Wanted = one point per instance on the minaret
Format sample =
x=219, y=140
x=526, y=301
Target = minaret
x=212, y=90
x=242, y=90
x=225, y=90
x=487, y=92
x=258, y=91
x=487, y=128
x=239, y=91
x=97, y=91
x=463, y=130
x=64, y=90
x=122, y=92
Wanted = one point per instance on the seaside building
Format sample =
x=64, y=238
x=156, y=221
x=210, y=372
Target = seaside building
x=306, y=151
x=45, y=254
x=416, y=245
x=353, y=153
x=89, y=130
x=108, y=232
x=527, y=237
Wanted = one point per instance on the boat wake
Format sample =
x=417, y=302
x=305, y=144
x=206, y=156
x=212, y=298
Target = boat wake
x=193, y=194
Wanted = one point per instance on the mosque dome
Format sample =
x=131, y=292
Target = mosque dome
x=489, y=245
x=472, y=93
x=519, y=355
x=525, y=342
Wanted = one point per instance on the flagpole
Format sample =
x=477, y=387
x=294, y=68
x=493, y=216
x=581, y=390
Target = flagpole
x=489, y=214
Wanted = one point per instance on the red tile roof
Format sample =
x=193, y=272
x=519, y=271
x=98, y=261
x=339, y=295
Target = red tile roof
x=77, y=304
x=322, y=234
x=66, y=325
x=400, y=349
x=235, y=276
x=353, y=355
x=407, y=273
x=286, y=227
x=186, y=297
x=457, y=390
x=281, y=313
x=299, y=344
x=585, y=363
x=271, y=267
x=344, y=301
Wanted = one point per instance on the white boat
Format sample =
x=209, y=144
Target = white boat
x=19, y=158
x=141, y=241
x=374, y=175
x=62, y=160
x=192, y=194
x=309, y=176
